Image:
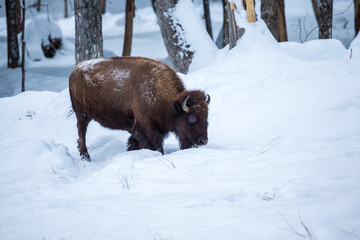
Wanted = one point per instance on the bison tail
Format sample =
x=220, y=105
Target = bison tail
x=71, y=112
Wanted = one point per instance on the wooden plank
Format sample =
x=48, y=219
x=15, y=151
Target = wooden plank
x=250, y=10
x=232, y=6
x=232, y=25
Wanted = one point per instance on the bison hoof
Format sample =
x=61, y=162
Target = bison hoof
x=86, y=157
x=160, y=149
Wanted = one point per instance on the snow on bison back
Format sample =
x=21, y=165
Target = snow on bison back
x=140, y=95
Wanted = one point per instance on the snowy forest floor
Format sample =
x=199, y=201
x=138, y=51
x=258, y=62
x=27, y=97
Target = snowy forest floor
x=282, y=160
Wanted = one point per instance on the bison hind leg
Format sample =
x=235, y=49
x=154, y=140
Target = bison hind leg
x=82, y=123
x=83, y=153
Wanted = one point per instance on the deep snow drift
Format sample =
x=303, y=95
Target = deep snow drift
x=282, y=160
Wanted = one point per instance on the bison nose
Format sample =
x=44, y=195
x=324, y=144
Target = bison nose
x=203, y=141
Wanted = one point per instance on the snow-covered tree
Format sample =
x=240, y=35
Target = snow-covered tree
x=173, y=34
x=273, y=14
x=184, y=35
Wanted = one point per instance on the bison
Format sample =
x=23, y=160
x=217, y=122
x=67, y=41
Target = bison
x=142, y=96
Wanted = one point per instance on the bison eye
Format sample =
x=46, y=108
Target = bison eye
x=191, y=119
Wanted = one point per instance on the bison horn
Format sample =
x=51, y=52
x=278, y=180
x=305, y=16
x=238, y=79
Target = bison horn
x=184, y=107
x=208, y=99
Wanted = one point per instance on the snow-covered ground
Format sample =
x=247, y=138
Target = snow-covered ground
x=282, y=162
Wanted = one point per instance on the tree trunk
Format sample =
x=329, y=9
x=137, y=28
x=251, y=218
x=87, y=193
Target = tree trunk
x=269, y=13
x=172, y=32
x=12, y=17
x=38, y=5
x=153, y=4
x=273, y=14
x=207, y=17
x=357, y=16
x=23, y=48
x=103, y=6
x=315, y=6
x=88, y=30
x=325, y=19
x=65, y=8
x=282, y=21
x=130, y=13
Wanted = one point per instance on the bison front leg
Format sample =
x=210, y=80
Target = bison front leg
x=148, y=139
x=82, y=123
x=133, y=143
x=157, y=142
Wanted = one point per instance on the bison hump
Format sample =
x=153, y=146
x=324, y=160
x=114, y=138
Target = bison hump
x=101, y=70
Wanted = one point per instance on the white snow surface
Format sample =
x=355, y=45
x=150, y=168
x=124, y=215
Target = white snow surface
x=282, y=162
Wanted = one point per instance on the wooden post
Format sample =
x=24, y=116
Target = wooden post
x=250, y=10
x=130, y=13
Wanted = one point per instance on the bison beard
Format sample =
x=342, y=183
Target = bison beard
x=140, y=95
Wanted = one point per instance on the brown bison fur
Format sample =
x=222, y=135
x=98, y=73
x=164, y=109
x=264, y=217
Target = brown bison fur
x=140, y=95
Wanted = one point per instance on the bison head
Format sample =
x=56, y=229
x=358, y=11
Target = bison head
x=191, y=121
